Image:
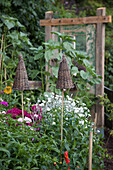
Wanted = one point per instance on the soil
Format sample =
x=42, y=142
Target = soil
x=108, y=144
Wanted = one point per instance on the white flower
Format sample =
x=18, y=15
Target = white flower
x=81, y=122
x=35, y=115
x=49, y=99
x=42, y=104
x=66, y=118
x=54, y=123
x=28, y=99
x=73, y=104
x=43, y=101
x=48, y=109
x=98, y=131
x=20, y=119
x=38, y=101
x=28, y=120
x=81, y=115
x=3, y=112
x=74, y=74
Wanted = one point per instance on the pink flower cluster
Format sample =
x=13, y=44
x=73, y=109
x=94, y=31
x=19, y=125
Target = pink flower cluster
x=35, y=108
x=35, y=116
x=4, y=103
x=17, y=112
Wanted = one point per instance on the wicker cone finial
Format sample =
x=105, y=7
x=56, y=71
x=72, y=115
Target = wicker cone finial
x=64, y=77
x=21, y=79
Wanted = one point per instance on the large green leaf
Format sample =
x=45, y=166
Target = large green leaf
x=74, y=70
x=38, y=56
x=9, y=24
x=55, y=71
x=84, y=74
x=68, y=46
x=49, y=54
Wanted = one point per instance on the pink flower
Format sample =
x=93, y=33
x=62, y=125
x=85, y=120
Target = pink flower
x=4, y=103
x=35, y=108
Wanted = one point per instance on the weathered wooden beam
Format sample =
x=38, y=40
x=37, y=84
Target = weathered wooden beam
x=34, y=84
x=48, y=35
x=74, y=21
x=100, y=50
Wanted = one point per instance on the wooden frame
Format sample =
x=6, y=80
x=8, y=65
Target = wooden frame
x=74, y=21
x=100, y=21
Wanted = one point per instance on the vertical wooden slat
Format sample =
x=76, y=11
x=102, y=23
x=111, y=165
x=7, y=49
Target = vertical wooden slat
x=48, y=29
x=100, y=46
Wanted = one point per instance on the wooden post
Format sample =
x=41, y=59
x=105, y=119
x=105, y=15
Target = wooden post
x=22, y=105
x=100, y=46
x=48, y=29
x=90, y=149
x=1, y=51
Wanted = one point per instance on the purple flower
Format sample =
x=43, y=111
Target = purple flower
x=4, y=103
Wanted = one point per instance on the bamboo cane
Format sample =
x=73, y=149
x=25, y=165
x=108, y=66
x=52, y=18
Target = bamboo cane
x=61, y=125
x=90, y=149
x=91, y=142
x=1, y=51
x=5, y=76
x=22, y=105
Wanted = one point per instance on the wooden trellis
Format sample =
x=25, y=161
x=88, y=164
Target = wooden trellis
x=96, y=22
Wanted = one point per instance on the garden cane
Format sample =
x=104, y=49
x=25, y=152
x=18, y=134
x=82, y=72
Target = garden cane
x=64, y=82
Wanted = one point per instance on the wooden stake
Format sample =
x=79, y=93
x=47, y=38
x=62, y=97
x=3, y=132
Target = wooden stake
x=5, y=76
x=62, y=117
x=22, y=105
x=90, y=149
x=61, y=126
x=1, y=51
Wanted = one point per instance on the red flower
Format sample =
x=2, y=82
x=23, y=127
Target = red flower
x=67, y=160
x=66, y=156
x=69, y=168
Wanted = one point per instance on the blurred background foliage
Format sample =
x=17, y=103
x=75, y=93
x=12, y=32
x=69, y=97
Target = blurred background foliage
x=21, y=17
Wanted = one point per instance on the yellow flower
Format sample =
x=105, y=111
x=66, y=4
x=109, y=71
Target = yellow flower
x=8, y=90
x=11, y=84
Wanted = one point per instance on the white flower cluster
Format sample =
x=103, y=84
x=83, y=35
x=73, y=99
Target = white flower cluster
x=26, y=119
x=54, y=101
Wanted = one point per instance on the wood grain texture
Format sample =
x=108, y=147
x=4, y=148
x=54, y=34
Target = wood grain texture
x=74, y=21
x=100, y=50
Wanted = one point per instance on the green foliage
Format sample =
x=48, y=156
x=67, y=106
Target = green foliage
x=82, y=80
x=22, y=147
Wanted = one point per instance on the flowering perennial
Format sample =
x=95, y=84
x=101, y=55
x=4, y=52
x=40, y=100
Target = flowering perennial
x=8, y=90
x=29, y=118
x=4, y=103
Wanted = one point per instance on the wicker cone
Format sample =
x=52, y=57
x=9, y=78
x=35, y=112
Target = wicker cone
x=21, y=79
x=64, y=78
